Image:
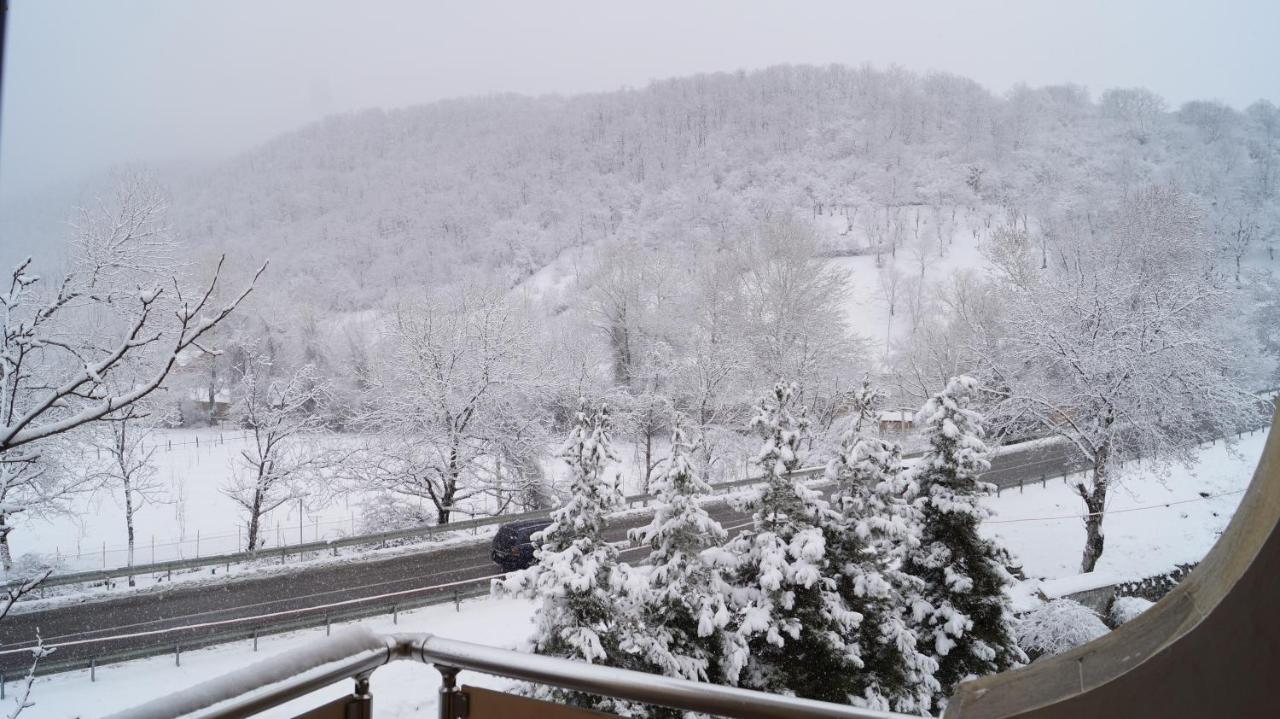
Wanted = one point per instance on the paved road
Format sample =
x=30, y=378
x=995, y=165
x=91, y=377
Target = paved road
x=432, y=572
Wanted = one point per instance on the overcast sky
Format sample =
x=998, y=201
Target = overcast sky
x=89, y=84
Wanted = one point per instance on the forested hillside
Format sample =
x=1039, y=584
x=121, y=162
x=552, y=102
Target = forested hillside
x=365, y=211
x=447, y=281
x=504, y=184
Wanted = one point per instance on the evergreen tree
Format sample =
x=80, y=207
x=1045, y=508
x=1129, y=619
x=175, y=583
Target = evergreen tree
x=791, y=612
x=578, y=584
x=867, y=547
x=682, y=610
x=965, y=618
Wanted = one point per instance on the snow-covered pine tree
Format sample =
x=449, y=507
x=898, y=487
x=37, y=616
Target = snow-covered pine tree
x=786, y=592
x=578, y=584
x=683, y=610
x=965, y=620
x=876, y=528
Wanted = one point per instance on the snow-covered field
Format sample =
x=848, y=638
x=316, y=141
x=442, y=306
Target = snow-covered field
x=1156, y=523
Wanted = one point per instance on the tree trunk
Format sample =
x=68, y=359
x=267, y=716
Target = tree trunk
x=128, y=521
x=255, y=522
x=6, y=560
x=648, y=457
x=1095, y=502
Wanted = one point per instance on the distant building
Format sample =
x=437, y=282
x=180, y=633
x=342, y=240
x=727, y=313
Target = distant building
x=897, y=420
x=197, y=409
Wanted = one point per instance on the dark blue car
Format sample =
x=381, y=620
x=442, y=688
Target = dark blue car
x=513, y=544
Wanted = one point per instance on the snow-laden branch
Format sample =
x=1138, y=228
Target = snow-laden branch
x=36, y=423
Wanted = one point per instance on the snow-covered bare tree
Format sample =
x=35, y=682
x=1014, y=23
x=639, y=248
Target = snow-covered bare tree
x=15, y=591
x=55, y=378
x=1119, y=348
x=127, y=469
x=682, y=611
x=281, y=459
x=963, y=615
x=578, y=584
x=796, y=325
x=455, y=421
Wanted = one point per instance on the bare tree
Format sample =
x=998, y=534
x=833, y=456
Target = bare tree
x=1119, y=355
x=53, y=380
x=1237, y=232
x=890, y=285
x=278, y=413
x=13, y=593
x=455, y=418
x=126, y=442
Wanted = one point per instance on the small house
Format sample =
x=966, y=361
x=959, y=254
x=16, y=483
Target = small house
x=897, y=420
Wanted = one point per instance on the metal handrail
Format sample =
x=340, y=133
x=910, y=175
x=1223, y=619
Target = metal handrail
x=357, y=652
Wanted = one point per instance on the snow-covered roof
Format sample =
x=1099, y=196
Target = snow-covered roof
x=897, y=415
x=1066, y=586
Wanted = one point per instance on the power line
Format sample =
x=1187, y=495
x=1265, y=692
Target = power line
x=1114, y=511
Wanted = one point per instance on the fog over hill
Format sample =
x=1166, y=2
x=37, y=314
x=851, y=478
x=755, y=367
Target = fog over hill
x=359, y=207
x=619, y=220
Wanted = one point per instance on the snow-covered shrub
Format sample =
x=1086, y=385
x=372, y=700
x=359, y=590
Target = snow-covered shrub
x=1125, y=608
x=383, y=511
x=1057, y=626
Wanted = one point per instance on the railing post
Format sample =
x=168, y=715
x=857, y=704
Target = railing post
x=93, y=671
x=177, y=655
x=395, y=614
x=255, y=640
x=450, y=696
x=361, y=704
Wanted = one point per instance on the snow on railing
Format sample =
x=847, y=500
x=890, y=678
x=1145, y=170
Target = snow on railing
x=355, y=653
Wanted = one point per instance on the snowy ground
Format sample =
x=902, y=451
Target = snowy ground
x=1157, y=523
x=192, y=516
x=868, y=306
x=401, y=689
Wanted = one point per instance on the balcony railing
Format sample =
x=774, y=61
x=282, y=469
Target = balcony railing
x=355, y=653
